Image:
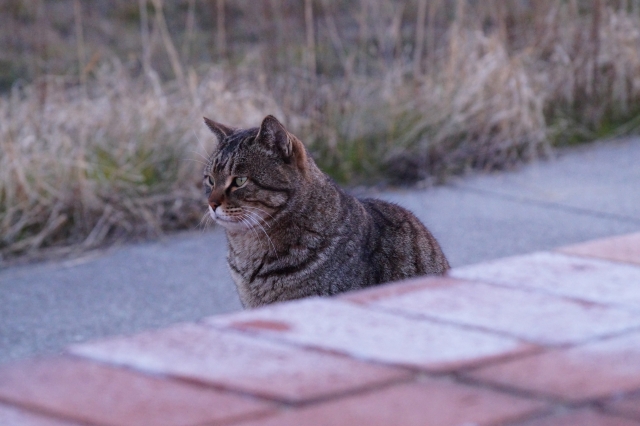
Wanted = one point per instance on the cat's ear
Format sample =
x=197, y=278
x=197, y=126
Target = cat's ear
x=274, y=135
x=220, y=130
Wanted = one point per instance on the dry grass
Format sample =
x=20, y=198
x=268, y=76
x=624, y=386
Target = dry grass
x=110, y=149
x=121, y=159
x=483, y=110
x=590, y=72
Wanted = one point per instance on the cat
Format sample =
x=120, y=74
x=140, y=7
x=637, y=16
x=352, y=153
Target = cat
x=293, y=233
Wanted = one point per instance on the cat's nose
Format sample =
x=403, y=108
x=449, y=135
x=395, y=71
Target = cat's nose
x=215, y=199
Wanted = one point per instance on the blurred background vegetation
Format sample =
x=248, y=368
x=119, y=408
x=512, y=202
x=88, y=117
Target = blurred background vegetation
x=101, y=101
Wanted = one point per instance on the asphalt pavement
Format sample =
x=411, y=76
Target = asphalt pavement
x=585, y=193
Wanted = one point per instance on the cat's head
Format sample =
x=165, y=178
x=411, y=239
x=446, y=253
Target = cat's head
x=252, y=173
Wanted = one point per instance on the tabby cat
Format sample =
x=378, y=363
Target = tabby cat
x=293, y=233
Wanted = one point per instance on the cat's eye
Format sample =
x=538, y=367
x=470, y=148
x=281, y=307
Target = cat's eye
x=239, y=181
x=210, y=180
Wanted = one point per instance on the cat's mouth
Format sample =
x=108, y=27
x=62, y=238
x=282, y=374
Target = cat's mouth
x=231, y=222
x=218, y=217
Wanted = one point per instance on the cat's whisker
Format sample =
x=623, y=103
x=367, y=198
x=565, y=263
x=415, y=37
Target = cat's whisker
x=208, y=222
x=265, y=233
x=203, y=221
x=194, y=160
x=259, y=209
x=201, y=145
x=199, y=153
x=250, y=226
x=256, y=217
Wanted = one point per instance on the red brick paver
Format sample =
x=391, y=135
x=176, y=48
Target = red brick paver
x=547, y=339
x=623, y=248
x=592, y=280
x=429, y=402
x=240, y=362
x=339, y=326
x=92, y=392
x=584, y=372
x=536, y=317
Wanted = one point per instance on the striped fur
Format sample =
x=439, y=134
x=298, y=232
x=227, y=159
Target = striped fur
x=293, y=233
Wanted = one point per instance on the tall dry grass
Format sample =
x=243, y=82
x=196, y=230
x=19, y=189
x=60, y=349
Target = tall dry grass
x=118, y=160
x=398, y=91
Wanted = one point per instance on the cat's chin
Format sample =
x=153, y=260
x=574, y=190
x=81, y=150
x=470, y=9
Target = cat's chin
x=231, y=225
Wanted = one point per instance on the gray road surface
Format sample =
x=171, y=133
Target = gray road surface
x=586, y=193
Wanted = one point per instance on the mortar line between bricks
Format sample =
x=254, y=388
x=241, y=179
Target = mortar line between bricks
x=546, y=292
x=549, y=398
x=191, y=381
x=602, y=408
x=245, y=417
x=538, y=346
x=283, y=402
x=348, y=393
x=520, y=288
x=536, y=415
x=410, y=376
x=549, y=204
x=413, y=369
x=461, y=377
x=560, y=250
x=454, y=323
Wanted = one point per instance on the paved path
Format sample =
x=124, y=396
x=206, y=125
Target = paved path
x=586, y=193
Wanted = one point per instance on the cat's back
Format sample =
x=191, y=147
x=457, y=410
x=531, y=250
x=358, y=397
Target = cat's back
x=400, y=245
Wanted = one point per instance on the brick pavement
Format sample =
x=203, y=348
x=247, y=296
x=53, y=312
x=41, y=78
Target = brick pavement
x=550, y=338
